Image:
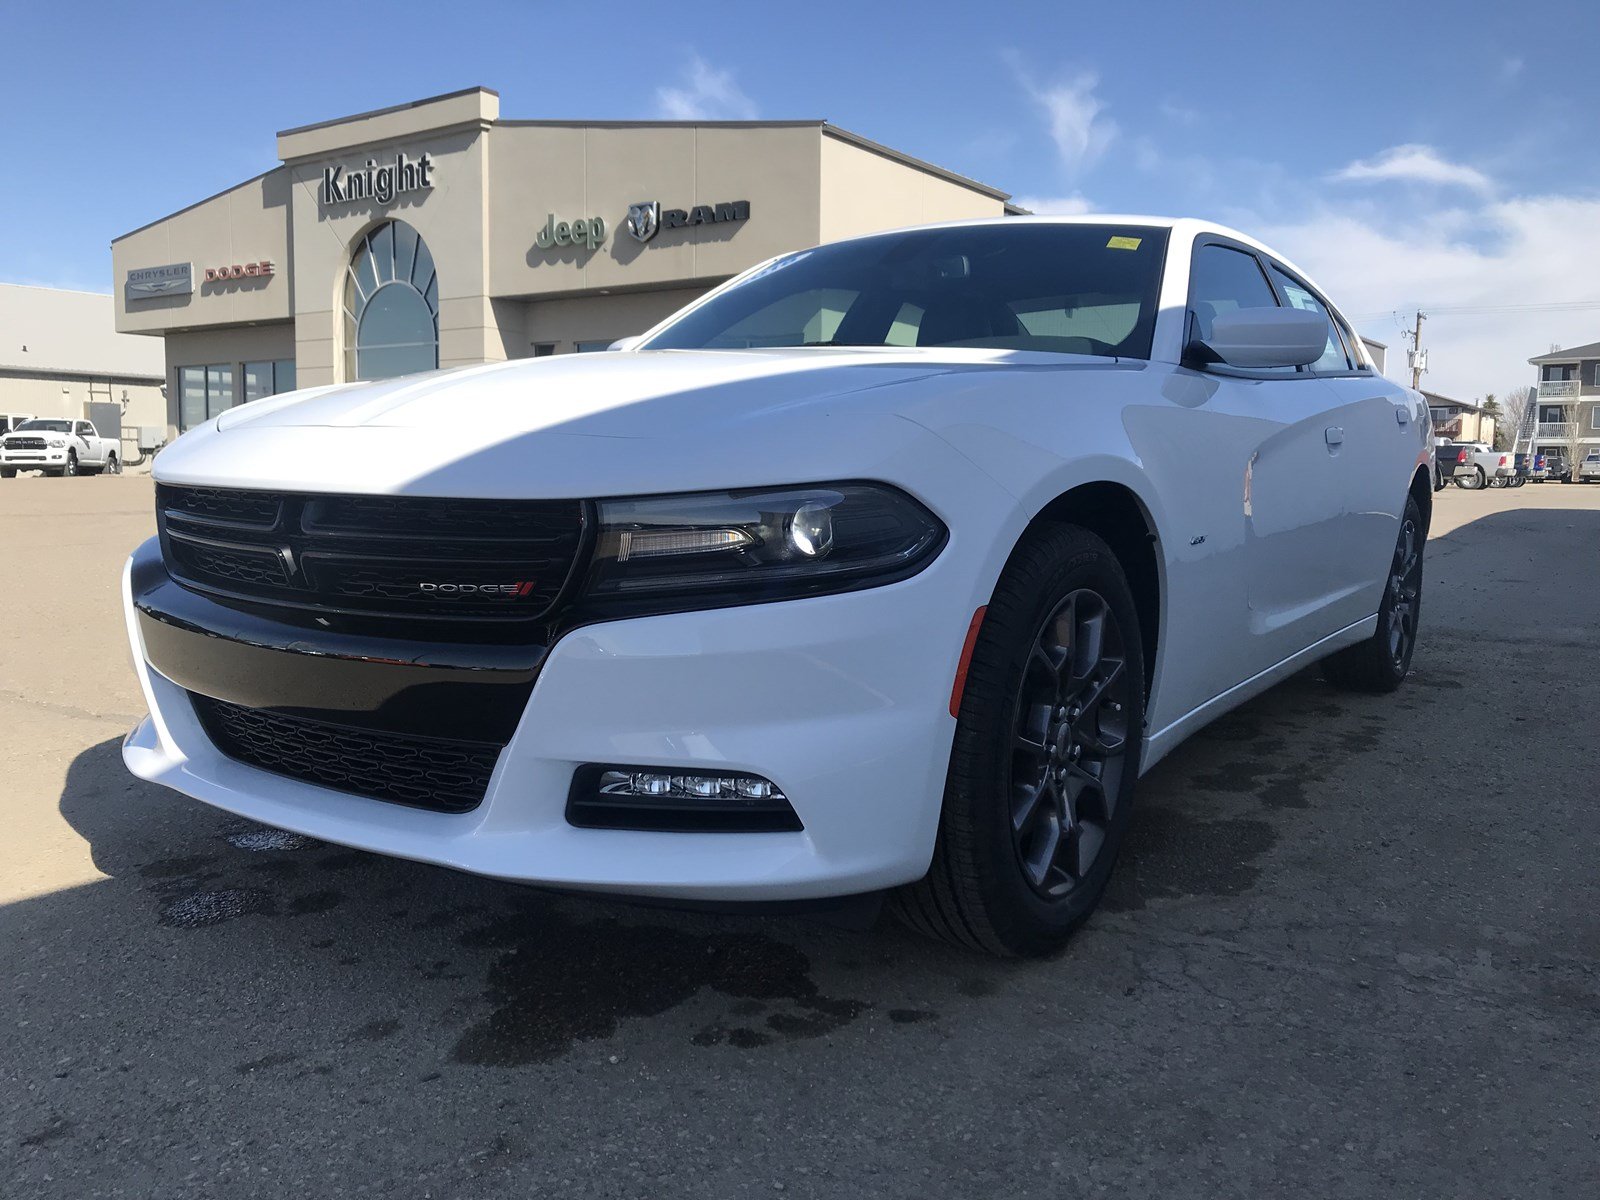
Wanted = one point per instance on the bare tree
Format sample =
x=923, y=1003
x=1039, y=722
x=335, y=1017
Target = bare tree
x=1516, y=410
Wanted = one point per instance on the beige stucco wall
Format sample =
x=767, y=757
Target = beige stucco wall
x=449, y=216
x=62, y=396
x=568, y=321
x=864, y=191
x=539, y=170
x=242, y=225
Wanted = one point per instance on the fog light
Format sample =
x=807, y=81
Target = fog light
x=697, y=787
x=655, y=798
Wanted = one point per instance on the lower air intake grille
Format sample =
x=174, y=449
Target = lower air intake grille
x=433, y=773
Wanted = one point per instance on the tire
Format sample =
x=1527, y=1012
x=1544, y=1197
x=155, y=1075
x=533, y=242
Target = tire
x=1517, y=481
x=72, y=464
x=8, y=472
x=1473, y=481
x=113, y=465
x=1381, y=663
x=1046, y=754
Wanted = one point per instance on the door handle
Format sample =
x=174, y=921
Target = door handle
x=1334, y=436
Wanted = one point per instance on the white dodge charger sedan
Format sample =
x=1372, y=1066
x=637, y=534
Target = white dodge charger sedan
x=888, y=565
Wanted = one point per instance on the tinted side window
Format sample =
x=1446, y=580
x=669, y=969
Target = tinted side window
x=83, y=429
x=1223, y=280
x=1333, y=355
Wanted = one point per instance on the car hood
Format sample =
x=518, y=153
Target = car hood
x=613, y=423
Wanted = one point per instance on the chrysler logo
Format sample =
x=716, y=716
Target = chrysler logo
x=644, y=219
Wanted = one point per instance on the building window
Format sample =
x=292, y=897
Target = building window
x=1594, y=417
x=1557, y=373
x=543, y=349
x=262, y=379
x=391, y=305
x=592, y=347
x=203, y=392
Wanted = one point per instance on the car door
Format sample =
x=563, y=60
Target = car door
x=1287, y=490
x=1374, y=436
x=85, y=443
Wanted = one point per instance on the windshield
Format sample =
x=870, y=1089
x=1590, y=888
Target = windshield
x=1069, y=289
x=47, y=426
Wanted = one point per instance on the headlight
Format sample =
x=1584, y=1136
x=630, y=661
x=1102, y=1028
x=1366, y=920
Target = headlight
x=708, y=549
x=56, y=443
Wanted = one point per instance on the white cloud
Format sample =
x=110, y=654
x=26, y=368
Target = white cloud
x=1414, y=164
x=1054, y=206
x=1502, y=255
x=1074, y=113
x=707, y=94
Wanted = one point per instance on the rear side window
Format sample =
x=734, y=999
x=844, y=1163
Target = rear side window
x=1299, y=296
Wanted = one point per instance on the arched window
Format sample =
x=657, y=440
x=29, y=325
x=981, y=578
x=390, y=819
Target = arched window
x=391, y=305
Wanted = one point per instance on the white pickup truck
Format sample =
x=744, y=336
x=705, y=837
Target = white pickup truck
x=1473, y=465
x=58, y=446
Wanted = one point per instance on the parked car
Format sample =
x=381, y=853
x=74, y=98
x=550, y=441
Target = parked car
x=58, y=446
x=1521, y=470
x=1483, y=467
x=1557, y=468
x=1449, y=458
x=889, y=564
x=1589, y=468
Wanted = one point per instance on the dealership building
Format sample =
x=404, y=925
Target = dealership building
x=436, y=234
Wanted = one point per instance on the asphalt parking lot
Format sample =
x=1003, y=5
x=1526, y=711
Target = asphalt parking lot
x=1351, y=952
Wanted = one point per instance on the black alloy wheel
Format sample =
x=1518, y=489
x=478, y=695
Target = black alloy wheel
x=1382, y=662
x=72, y=464
x=1045, y=757
x=1070, y=743
x=1404, y=592
x=113, y=465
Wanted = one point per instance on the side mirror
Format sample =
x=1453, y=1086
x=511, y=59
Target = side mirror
x=627, y=343
x=1264, y=337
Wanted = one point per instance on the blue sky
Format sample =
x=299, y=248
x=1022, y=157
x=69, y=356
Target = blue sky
x=1403, y=156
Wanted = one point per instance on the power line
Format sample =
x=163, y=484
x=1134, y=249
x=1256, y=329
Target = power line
x=1477, y=310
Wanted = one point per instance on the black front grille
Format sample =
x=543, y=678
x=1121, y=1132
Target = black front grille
x=25, y=443
x=484, y=560
x=440, y=774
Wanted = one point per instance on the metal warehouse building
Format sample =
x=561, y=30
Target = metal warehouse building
x=437, y=234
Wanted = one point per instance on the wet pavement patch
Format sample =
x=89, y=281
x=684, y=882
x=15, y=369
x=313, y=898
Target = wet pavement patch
x=558, y=982
x=1171, y=855
x=262, y=839
x=200, y=909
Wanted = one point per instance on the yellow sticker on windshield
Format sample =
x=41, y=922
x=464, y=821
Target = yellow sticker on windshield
x=1123, y=243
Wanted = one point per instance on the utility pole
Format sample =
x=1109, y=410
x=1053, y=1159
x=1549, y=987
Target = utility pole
x=1417, y=361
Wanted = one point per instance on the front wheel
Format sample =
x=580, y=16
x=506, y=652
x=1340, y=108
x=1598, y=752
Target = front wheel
x=72, y=464
x=8, y=472
x=1046, y=754
x=1382, y=662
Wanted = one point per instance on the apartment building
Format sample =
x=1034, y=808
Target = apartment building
x=1568, y=400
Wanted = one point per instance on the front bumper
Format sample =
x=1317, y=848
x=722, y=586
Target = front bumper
x=842, y=701
x=33, y=459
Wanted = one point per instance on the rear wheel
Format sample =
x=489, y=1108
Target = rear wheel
x=1472, y=481
x=113, y=465
x=1046, y=753
x=1382, y=662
